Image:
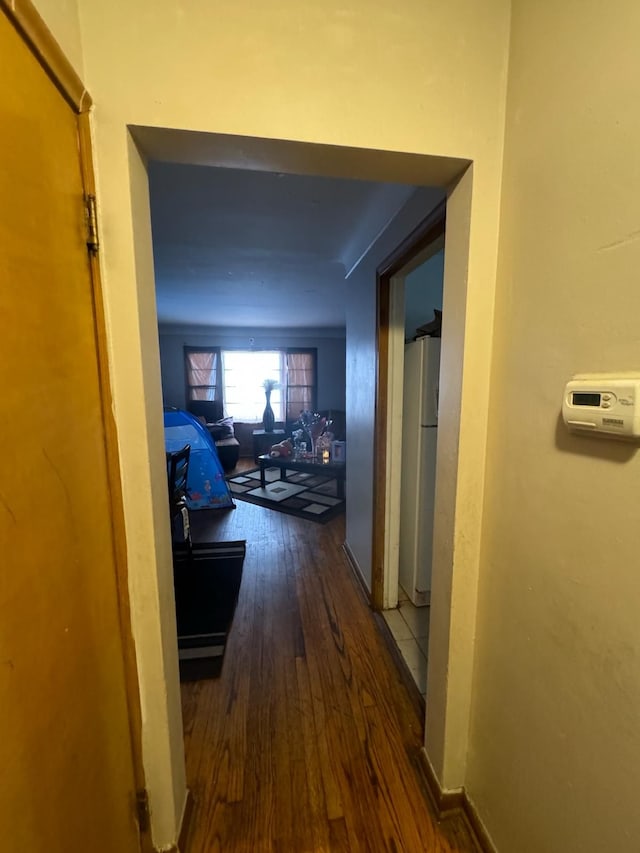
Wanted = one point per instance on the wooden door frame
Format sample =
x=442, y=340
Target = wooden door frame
x=28, y=23
x=428, y=231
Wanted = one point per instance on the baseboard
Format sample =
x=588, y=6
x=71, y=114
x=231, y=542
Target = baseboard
x=185, y=824
x=444, y=802
x=357, y=572
x=483, y=838
x=447, y=803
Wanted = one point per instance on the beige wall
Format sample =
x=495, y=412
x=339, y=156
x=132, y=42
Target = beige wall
x=287, y=70
x=62, y=19
x=554, y=762
x=413, y=76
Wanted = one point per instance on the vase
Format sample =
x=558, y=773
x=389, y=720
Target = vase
x=315, y=431
x=268, y=418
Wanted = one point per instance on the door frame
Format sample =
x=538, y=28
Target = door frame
x=135, y=360
x=115, y=488
x=34, y=32
x=388, y=401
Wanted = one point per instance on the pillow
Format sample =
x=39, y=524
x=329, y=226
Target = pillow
x=221, y=429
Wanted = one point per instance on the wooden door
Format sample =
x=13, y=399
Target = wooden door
x=67, y=772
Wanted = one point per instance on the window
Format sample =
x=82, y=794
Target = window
x=301, y=382
x=235, y=378
x=243, y=374
x=202, y=373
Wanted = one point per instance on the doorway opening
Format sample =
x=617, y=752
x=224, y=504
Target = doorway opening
x=142, y=398
x=252, y=262
x=410, y=298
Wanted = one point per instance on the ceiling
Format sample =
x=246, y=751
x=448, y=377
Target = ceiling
x=263, y=249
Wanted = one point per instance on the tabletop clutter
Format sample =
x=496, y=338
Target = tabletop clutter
x=311, y=439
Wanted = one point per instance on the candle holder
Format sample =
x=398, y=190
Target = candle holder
x=323, y=449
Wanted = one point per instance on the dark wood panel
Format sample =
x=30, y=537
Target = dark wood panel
x=309, y=740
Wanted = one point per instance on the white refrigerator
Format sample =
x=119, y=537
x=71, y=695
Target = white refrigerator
x=418, y=475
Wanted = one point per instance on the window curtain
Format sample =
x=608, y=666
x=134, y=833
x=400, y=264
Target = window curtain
x=300, y=382
x=204, y=374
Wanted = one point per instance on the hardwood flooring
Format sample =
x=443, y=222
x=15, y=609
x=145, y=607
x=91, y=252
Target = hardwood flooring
x=308, y=741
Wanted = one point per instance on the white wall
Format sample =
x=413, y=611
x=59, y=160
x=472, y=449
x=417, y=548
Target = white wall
x=330, y=345
x=285, y=70
x=554, y=758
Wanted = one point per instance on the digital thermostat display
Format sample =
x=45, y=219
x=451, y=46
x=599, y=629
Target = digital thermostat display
x=603, y=404
x=580, y=399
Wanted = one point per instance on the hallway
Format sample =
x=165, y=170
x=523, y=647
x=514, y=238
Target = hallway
x=308, y=741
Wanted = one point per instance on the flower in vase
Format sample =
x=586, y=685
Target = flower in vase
x=316, y=429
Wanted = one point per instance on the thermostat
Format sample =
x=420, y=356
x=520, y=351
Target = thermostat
x=603, y=404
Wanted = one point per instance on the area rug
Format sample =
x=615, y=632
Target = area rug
x=207, y=580
x=303, y=494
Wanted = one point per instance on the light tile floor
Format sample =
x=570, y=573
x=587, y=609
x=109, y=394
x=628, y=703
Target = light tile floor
x=410, y=628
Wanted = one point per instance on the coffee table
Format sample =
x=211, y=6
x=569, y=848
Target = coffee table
x=337, y=470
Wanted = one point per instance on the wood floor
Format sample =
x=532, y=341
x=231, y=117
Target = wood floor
x=308, y=740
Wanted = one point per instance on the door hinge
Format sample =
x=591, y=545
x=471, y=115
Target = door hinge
x=91, y=215
x=142, y=810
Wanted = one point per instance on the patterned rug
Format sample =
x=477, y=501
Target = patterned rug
x=303, y=494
